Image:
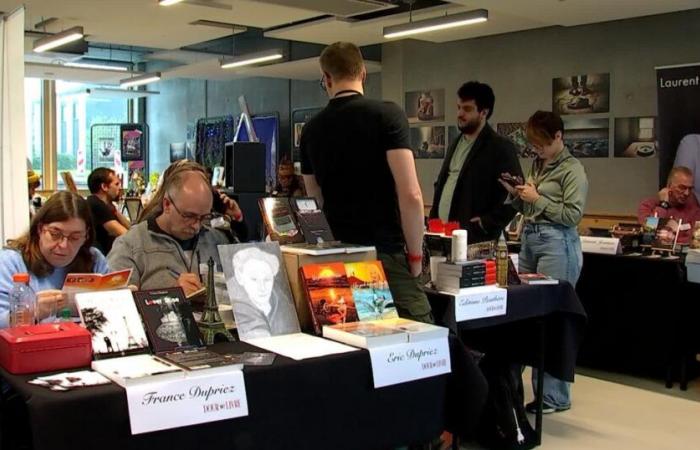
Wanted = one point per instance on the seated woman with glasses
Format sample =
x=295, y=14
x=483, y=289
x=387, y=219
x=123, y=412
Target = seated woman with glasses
x=59, y=241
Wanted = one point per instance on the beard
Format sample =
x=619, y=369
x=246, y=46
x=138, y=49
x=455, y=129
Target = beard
x=469, y=127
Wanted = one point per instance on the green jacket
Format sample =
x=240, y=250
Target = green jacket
x=563, y=187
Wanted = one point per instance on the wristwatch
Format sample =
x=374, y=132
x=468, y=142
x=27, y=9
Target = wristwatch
x=664, y=204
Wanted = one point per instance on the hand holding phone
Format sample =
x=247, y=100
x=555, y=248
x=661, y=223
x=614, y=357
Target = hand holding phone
x=512, y=180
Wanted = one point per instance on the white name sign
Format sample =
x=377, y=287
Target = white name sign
x=601, y=245
x=399, y=363
x=479, y=302
x=186, y=401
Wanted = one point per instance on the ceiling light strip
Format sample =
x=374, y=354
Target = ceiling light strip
x=168, y=2
x=250, y=59
x=140, y=80
x=96, y=66
x=58, y=39
x=436, y=24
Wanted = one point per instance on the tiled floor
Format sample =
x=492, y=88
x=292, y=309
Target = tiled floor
x=630, y=413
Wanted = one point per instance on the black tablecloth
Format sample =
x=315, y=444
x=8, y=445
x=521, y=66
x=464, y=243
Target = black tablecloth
x=514, y=336
x=642, y=314
x=321, y=403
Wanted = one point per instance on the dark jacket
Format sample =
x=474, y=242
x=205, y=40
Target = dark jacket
x=478, y=192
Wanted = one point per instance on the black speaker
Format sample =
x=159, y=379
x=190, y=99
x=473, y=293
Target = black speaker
x=245, y=166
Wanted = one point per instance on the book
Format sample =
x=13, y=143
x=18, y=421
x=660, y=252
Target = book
x=666, y=236
x=326, y=248
x=113, y=321
x=86, y=282
x=200, y=359
x=450, y=284
x=279, y=220
x=365, y=334
x=311, y=220
x=464, y=268
x=649, y=230
x=537, y=278
x=417, y=331
x=167, y=316
x=370, y=290
x=258, y=288
x=135, y=369
x=328, y=294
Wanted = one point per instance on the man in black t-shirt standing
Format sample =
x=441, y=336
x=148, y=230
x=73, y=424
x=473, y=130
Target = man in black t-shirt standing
x=356, y=160
x=106, y=188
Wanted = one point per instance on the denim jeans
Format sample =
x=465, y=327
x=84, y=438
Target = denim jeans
x=553, y=250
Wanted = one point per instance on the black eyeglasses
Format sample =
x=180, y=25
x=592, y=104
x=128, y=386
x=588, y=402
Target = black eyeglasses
x=191, y=217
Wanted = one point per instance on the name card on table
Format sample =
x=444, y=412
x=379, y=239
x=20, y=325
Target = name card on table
x=480, y=302
x=186, y=401
x=399, y=363
x=601, y=245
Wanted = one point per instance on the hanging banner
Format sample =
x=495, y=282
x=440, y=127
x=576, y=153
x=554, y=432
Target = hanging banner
x=678, y=89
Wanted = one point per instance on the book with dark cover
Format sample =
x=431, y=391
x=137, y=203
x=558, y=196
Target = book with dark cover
x=329, y=295
x=370, y=290
x=311, y=220
x=537, y=278
x=666, y=235
x=168, y=318
x=279, y=220
x=198, y=359
x=465, y=268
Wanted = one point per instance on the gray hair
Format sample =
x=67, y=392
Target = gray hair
x=241, y=258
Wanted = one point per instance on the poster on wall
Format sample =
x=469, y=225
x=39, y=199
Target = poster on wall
x=635, y=137
x=678, y=91
x=581, y=94
x=587, y=138
x=428, y=142
x=516, y=132
x=132, y=142
x=425, y=105
x=106, y=152
x=299, y=119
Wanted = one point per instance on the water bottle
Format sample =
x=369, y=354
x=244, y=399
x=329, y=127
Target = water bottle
x=22, y=301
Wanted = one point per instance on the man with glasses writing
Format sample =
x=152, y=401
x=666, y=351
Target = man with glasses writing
x=173, y=237
x=676, y=200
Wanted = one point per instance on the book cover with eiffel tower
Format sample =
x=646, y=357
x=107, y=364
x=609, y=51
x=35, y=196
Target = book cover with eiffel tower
x=113, y=321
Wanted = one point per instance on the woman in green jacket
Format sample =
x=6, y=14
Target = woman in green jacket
x=552, y=200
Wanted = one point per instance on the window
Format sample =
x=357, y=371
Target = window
x=33, y=111
x=76, y=113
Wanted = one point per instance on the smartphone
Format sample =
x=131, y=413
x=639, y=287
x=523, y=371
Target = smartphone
x=218, y=205
x=512, y=180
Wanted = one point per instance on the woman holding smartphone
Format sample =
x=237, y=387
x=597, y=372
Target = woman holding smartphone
x=552, y=200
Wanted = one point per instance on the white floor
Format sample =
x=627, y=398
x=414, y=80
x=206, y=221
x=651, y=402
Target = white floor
x=614, y=416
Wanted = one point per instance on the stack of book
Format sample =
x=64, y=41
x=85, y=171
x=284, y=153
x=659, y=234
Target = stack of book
x=452, y=277
x=378, y=333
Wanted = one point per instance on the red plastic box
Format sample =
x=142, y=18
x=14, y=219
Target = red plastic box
x=45, y=347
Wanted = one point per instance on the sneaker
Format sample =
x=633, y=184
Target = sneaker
x=546, y=408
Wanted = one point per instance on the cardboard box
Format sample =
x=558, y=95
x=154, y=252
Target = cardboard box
x=293, y=262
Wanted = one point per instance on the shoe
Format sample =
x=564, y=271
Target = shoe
x=546, y=408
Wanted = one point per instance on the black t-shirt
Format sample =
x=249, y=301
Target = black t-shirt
x=344, y=147
x=101, y=214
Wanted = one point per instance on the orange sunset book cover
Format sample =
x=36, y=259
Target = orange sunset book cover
x=329, y=295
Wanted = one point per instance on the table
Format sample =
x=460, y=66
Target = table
x=642, y=316
x=543, y=328
x=319, y=403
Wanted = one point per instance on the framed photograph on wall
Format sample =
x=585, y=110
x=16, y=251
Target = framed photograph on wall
x=132, y=142
x=516, y=132
x=428, y=142
x=299, y=119
x=635, y=137
x=427, y=105
x=587, y=138
x=581, y=94
x=105, y=152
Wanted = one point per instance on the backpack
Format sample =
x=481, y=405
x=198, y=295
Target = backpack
x=504, y=424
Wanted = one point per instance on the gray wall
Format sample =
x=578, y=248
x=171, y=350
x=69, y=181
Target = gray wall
x=520, y=67
x=183, y=101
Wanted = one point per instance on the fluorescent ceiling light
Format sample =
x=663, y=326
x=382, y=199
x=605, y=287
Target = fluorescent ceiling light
x=58, y=39
x=118, y=93
x=168, y=2
x=251, y=58
x=140, y=80
x=96, y=66
x=436, y=24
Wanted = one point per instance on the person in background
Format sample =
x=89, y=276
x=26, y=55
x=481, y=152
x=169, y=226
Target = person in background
x=675, y=200
x=106, y=189
x=552, y=200
x=33, y=183
x=354, y=135
x=59, y=241
x=688, y=155
x=467, y=188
